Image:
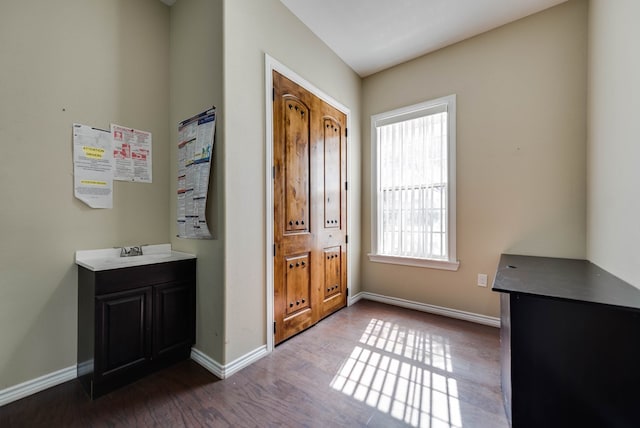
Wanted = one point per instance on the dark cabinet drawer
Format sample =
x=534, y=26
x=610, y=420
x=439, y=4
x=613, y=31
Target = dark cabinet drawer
x=111, y=281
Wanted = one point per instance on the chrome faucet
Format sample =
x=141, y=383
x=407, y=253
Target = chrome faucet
x=132, y=251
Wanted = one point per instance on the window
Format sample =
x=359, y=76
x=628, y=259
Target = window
x=413, y=185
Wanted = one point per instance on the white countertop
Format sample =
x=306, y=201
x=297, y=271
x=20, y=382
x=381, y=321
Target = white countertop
x=109, y=258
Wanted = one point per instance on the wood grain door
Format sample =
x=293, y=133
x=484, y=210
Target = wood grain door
x=309, y=208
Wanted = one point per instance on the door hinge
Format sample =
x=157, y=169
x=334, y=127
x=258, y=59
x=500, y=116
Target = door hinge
x=346, y=186
x=274, y=327
x=273, y=94
x=346, y=132
x=274, y=250
x=273, y=172
x=347, y=292
x=346, y=239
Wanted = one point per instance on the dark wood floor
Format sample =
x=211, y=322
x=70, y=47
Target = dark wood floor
x=367, y=365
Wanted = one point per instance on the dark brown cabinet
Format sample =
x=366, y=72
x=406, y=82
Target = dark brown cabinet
x=132, y=321
x=570, y=344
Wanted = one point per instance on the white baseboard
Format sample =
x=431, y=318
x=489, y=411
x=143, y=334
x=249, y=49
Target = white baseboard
x=355, y=299
x=223, y=371
x=33, y=386
x=424, y=307
x=207, y=362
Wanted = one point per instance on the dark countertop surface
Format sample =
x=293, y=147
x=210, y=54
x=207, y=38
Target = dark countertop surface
x=570, y=279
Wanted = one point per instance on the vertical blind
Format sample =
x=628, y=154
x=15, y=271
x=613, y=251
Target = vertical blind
x=413, y=181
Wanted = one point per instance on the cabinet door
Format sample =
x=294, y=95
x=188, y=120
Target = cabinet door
x=123, y=331
x=174, y=318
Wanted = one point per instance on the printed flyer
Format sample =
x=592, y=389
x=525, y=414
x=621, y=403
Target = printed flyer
x=195, y=147
x=93, y=166
x=132, y=154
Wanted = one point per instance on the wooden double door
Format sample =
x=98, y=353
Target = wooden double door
x=310, y=208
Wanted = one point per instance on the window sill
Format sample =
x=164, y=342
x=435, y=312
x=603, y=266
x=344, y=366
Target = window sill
x=411, y=261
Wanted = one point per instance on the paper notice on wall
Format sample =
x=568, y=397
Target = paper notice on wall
x=93, y=166
x=195, y=146
x=132, y=154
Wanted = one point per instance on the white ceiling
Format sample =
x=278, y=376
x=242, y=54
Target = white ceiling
x=371, y=35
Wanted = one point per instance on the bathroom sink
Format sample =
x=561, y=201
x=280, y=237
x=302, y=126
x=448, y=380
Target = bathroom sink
x=109, y=258
x=143, y=259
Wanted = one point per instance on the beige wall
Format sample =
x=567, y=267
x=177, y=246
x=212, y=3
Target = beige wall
x=521, y=132
x=614, y=144
x=251, y=29
x=521, y=153
x=93, y=62
x=196, y=84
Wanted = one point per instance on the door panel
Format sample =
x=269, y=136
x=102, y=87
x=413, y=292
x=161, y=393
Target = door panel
x=332, y=236
x=296, y=164
x=332, y=180
x=173, y=317
x=124, y=340
x=332, y=270
x=334, y=295
x=292, y=111
x=298, y=284
x=309, y=139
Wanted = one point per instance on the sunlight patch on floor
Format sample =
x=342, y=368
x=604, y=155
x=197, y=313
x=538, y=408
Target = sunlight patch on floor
x=403, y=372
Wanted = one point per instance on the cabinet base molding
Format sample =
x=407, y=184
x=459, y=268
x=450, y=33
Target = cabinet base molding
x=225, y=370
x=33, y=386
